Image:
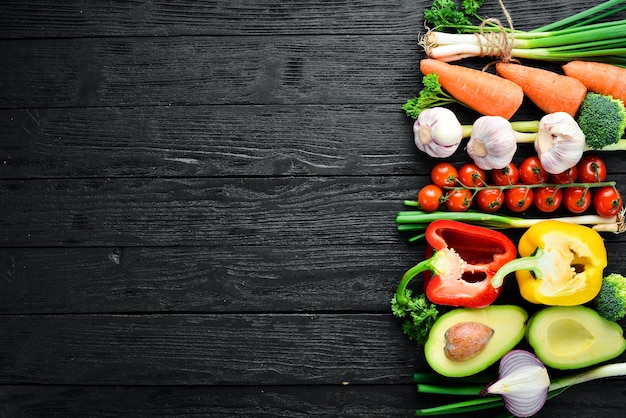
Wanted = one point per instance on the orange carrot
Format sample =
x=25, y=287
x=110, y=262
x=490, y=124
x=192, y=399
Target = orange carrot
x=600, y=78
x=486, y=93
x=551, y=92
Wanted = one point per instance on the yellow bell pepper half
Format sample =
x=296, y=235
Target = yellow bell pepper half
x=560, y=264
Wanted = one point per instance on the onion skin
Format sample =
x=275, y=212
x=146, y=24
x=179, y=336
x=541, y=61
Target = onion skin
x=523, y=383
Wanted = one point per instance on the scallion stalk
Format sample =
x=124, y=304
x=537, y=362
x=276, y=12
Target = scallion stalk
x=462, y=407
x=461, y=390
x=409, y=221
x=600, y=372
x=601, y=11
x=585, y=35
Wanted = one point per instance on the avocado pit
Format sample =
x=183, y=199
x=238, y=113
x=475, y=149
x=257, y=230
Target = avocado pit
x=505, y=323
x=465, y=340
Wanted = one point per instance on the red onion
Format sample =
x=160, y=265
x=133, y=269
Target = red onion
x=523, y=383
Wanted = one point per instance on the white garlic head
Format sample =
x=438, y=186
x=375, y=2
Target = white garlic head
x=492, y=144
x=437, y=132
x=560, y=142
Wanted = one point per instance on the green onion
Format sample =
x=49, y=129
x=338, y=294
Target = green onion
x=462, y=407
x=417, y=220
x=600, y=372
x=582, y=36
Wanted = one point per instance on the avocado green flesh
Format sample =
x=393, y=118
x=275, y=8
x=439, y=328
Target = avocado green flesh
x=572, y=337
x=508, y=323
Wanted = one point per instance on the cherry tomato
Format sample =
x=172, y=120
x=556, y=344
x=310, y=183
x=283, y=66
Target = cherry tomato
x=577, y=199
x=458, y=200
x=518, y=199
x=548, y=199
x=505, y=176
x=490, y=200
x=444, y=174
x=591, y=169
x=471, y=175
x=607, y=201
x=532, y=172
x=566, y=177
x=430, y=197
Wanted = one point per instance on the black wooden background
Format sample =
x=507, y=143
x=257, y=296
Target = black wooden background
x=197, y=203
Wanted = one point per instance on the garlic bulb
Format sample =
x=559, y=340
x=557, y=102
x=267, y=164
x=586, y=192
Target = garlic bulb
x=437, y=132
x=560, y=142
x=492, y=143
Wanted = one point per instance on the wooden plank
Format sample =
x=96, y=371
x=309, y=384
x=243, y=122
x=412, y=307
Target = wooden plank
x=302, y=278
x=198, y=141
x=209, y=401
x=279, y=211
x=218, y=17
x=79, y=18
x=264, y=349
x=205, y=212
x=259, y=401
x=241, y=279
x=98, y=72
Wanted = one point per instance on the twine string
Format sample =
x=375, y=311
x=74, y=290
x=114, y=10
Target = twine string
x=498, y=43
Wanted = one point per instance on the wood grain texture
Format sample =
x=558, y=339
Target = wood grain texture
x=80, y=18
x=303, y=278
x=207, y=212
x=97, y=72
x=199, y=141
x=271, y=401
x=264, y=349
x=228, y=401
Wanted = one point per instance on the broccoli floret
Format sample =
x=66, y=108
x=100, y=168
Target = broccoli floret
x=431, y=95
x=602, y=119
x=422, y=313
x=611, y=301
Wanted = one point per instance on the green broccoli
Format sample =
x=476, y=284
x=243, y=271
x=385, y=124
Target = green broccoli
x=422, y=312
x=602, y=119
x=431, y=95
x=611, y=301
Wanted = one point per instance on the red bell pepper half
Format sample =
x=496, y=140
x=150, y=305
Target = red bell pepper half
x=460, y=261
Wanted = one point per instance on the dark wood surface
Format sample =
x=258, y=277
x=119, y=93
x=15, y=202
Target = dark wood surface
x=197, y=203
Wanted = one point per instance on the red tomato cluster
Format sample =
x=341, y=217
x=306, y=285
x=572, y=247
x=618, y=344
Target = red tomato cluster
x=517, y=188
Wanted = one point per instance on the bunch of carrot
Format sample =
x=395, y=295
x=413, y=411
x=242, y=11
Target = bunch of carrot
x=502, y=94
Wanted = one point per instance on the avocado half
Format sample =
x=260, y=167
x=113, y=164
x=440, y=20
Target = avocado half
x=508, y=323
x=572, y=337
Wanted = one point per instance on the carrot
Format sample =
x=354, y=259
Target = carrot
x=601, y=78
x=486, y=93
x=549, y=91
